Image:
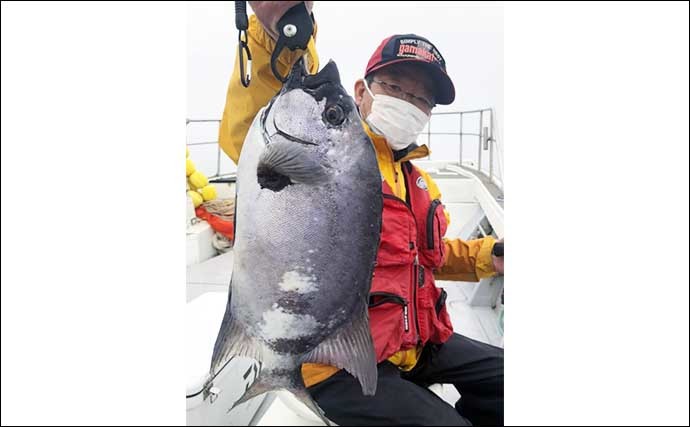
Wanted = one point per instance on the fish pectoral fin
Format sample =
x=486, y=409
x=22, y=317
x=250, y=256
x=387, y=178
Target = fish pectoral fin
x=289, y=159
x=352, y=349
x=233, y=341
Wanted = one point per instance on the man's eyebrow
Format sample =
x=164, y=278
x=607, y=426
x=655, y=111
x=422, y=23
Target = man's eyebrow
x=390, y=76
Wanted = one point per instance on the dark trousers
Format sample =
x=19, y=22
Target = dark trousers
x=402, y=398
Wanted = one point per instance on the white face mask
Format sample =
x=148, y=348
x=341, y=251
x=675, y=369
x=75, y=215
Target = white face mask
x=398, y=121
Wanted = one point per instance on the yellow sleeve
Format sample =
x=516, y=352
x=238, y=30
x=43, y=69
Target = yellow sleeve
x=467, y=261
x=242, y=104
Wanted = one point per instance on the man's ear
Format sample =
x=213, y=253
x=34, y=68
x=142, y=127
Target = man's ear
x=359, y=91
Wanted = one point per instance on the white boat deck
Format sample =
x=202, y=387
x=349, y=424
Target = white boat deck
x=212, y=275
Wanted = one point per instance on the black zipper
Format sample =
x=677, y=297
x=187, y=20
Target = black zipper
x=441, y=300
x=415, y=270
x=415, y=286
x=430, y=224
x=387, y=298
x=416, y=261
x=441, y=247
x=393, y=299
x=396, y=198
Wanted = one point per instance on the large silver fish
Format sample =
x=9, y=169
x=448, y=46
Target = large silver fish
x=308, y=221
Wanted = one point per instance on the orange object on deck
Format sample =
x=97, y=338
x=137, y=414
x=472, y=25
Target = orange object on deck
x=224, y=227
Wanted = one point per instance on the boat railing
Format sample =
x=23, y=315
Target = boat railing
x=464, y=128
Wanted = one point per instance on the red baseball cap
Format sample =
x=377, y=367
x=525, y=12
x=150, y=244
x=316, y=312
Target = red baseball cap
x=413, y=48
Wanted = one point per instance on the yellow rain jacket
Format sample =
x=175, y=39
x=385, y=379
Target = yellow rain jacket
x=466, y=260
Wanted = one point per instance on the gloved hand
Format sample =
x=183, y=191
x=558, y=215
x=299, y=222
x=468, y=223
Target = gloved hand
x=498, y=262
x=270, y=12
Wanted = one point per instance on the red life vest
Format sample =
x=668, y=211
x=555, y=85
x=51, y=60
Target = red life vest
x=406, y=308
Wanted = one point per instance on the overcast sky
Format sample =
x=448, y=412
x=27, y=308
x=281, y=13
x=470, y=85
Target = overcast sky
x=468, y=34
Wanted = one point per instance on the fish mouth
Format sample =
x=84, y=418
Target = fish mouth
x=300, y=78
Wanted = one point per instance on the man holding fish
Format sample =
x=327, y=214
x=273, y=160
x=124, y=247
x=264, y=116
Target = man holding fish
x=413, y=338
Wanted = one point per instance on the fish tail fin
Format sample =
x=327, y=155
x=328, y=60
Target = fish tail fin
x=257, y=388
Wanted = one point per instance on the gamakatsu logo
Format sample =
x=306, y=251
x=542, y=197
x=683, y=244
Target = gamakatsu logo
x=422, y=184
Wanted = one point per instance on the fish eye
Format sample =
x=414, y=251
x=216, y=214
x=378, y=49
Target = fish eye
x=335, y=115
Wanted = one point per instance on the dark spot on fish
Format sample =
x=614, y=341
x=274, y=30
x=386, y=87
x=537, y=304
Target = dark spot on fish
x=289, y=346
x=283, y=373
x=270, y=179
x=295, y=345
x=293, y=302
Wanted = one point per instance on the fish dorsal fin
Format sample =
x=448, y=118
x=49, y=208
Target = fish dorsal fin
x=352, y=349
